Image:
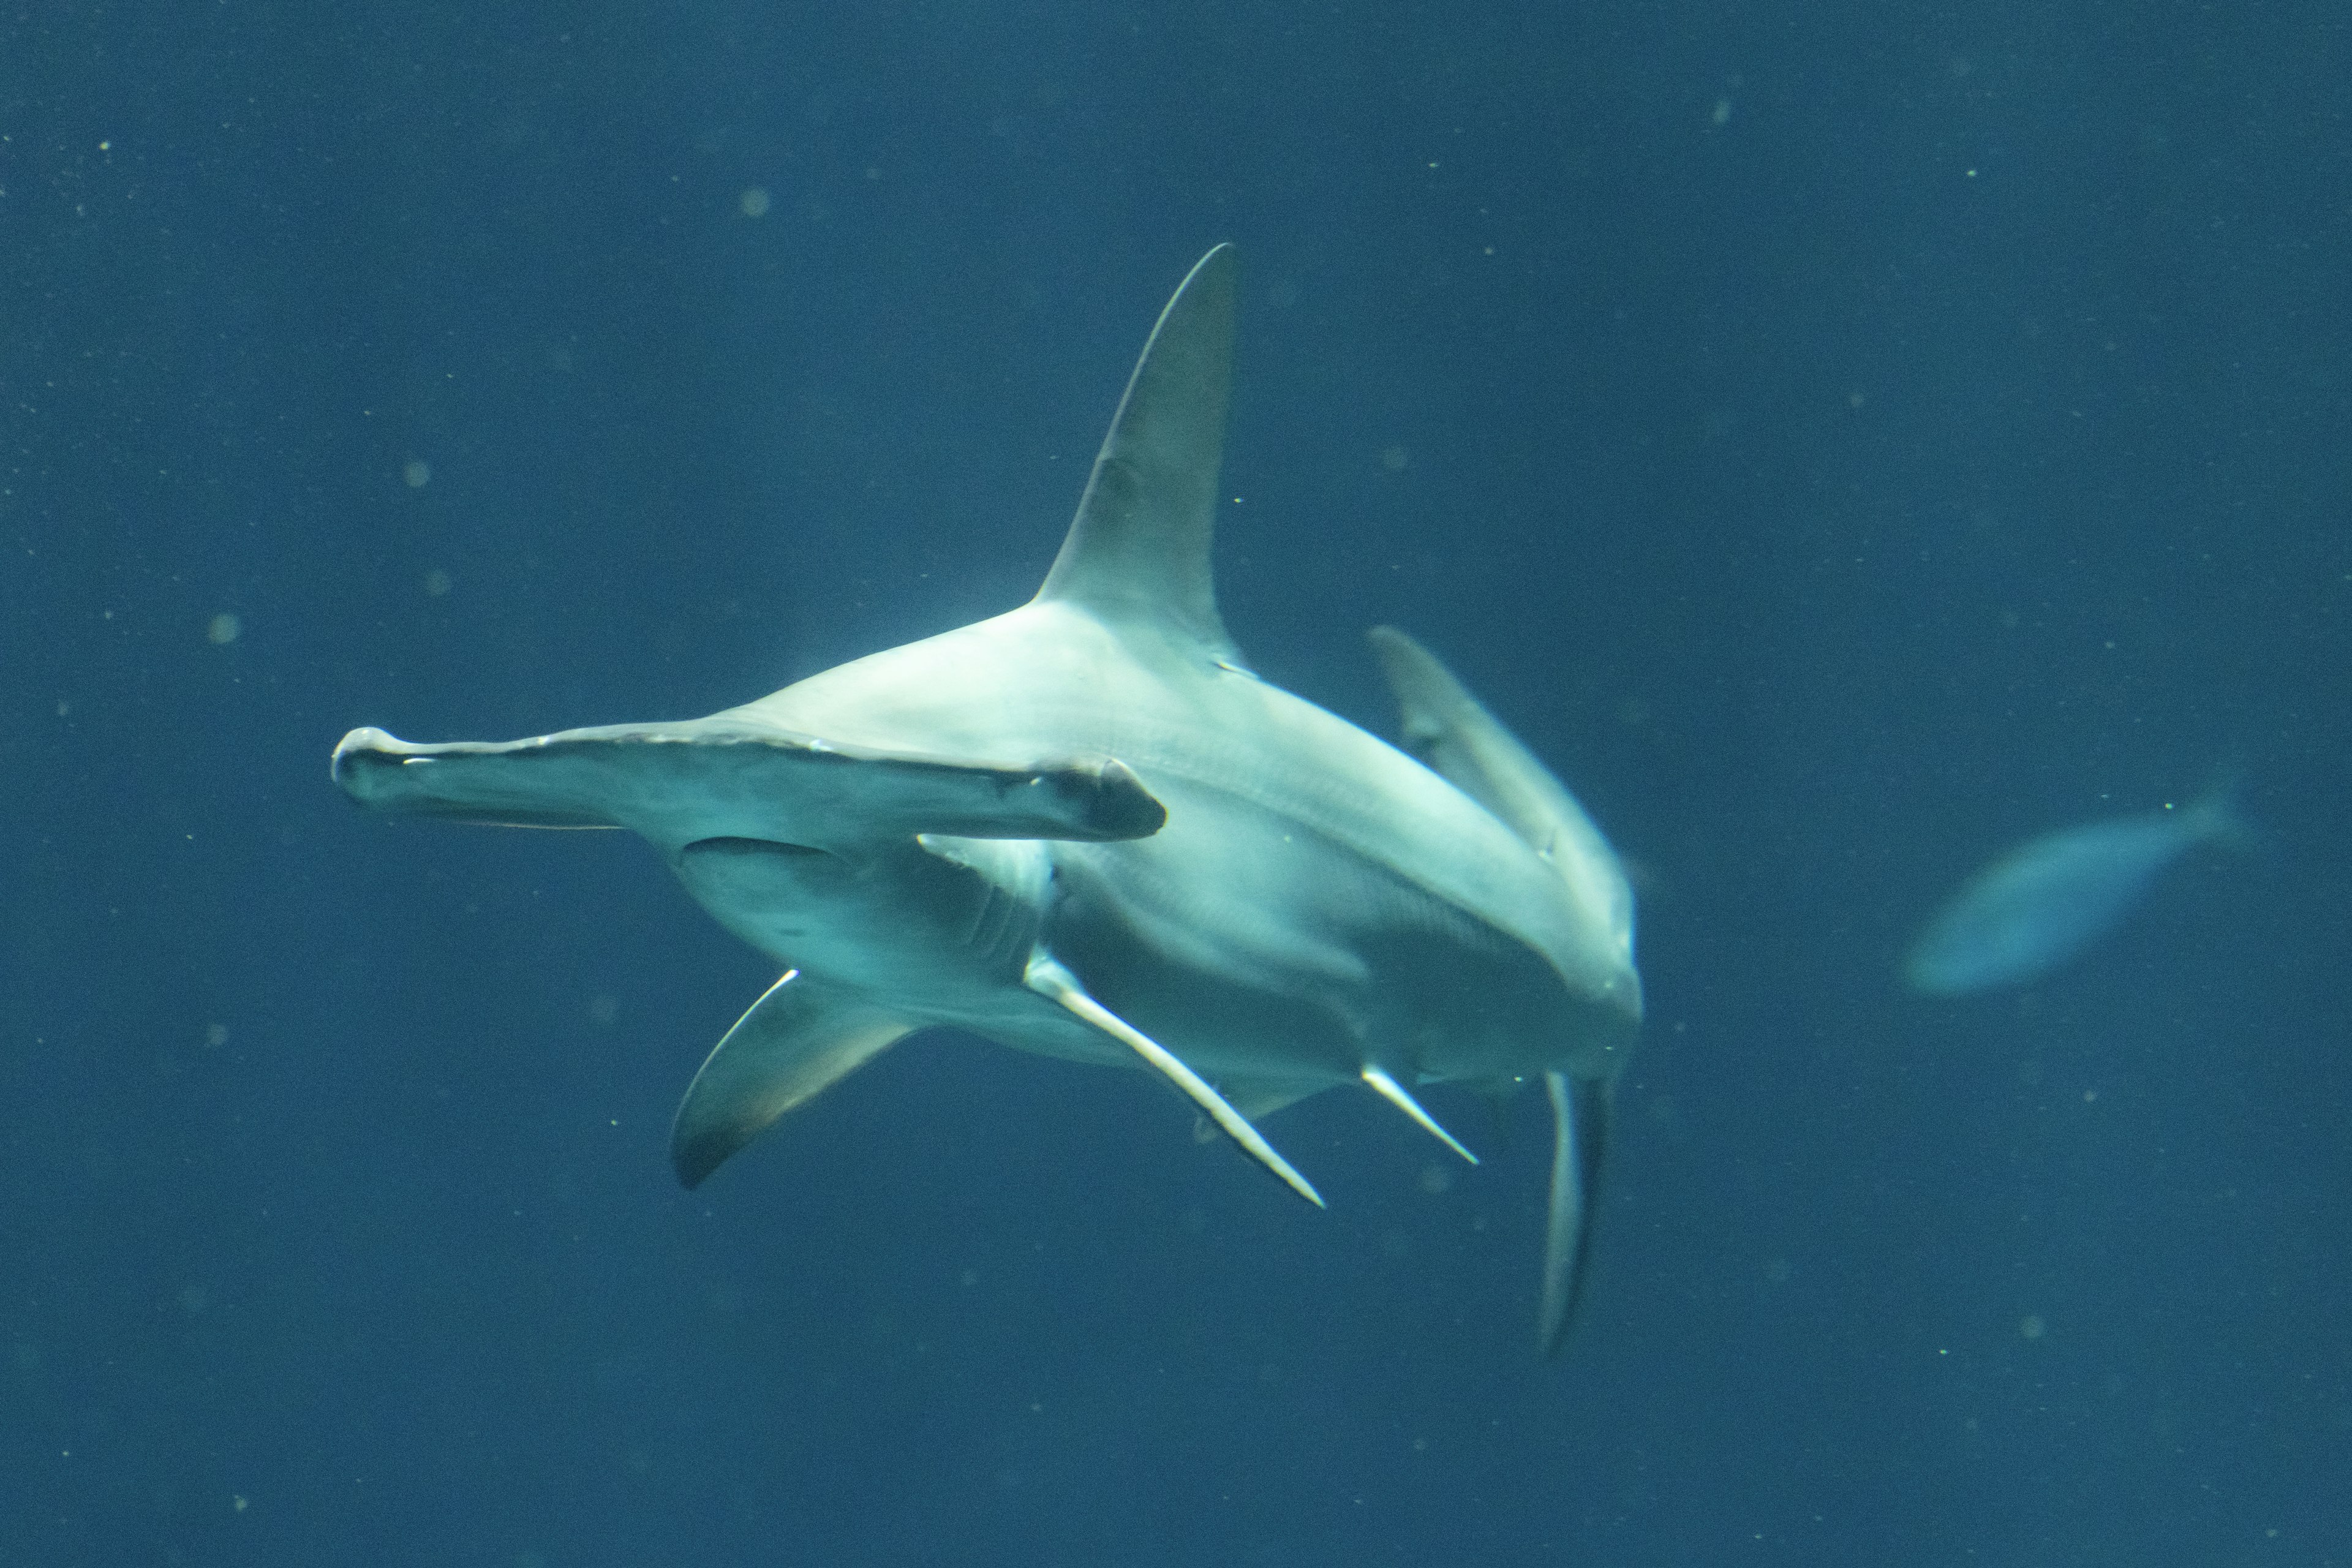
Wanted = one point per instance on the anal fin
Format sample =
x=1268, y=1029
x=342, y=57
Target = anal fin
x=796, y=1041
x=1050, y=979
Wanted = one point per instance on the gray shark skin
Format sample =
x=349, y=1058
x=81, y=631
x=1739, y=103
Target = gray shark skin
x=1084, y=828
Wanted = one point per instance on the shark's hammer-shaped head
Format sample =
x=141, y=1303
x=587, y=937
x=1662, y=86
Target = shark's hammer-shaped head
x=1084, y=828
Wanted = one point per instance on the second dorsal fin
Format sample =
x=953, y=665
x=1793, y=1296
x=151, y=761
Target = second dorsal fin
x=1138, y=552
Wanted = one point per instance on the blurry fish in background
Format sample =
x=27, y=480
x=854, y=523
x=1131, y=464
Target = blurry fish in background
x=2044, y=902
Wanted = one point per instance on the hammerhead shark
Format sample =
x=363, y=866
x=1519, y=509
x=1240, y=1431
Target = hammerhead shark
x=1085, y=828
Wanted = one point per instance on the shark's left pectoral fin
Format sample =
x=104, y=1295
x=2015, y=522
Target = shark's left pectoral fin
x=1581, y=1110
x=797, y=1040
x=1049, y=978
x=708, y=778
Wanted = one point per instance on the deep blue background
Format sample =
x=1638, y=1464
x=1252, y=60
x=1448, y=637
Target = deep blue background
x=1844, y=438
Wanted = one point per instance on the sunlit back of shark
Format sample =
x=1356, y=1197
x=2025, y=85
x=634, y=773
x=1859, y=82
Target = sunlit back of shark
x=1084, y=828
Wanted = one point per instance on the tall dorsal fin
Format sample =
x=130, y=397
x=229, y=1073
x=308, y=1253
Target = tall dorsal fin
x=1139, y=549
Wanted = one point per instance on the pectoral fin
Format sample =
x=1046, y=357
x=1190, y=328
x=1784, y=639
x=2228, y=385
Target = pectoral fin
x=716, y=778
x=1049, y=978
x=796, y=1041
x=1581, y=1111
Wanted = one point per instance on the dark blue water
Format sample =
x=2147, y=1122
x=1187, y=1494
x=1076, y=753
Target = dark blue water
x=1844, y=439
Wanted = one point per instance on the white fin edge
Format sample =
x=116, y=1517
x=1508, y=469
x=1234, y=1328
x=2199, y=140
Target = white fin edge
x=1048, y=978
x=1388, y=1089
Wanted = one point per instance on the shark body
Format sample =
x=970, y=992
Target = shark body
x=1084, y=828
